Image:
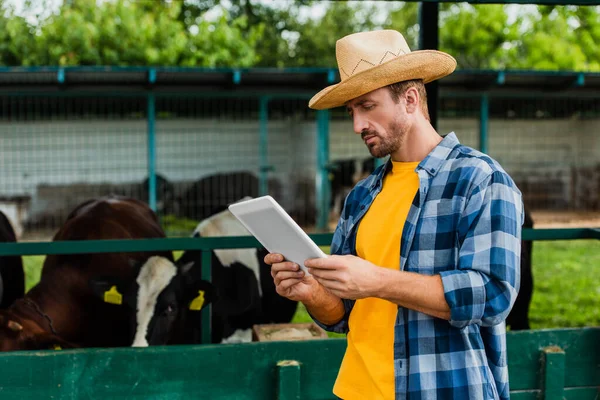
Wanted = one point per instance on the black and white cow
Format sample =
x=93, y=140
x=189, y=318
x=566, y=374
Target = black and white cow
x=343, y=175
x=245, y=289
x=245, y=292
x=212, y=194
x=12, y=277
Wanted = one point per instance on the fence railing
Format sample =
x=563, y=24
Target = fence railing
x=207, y=245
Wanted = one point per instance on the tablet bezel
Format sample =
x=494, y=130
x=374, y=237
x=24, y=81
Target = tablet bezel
x=274, y=244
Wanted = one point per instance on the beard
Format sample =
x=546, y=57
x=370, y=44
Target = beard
x=387, y=144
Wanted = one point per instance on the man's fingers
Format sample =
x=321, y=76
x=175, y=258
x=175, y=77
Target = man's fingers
x=273, y=258
x=330, y=284
x=284, y=266
x=284, y=275
x=286, y=284
x=322, y=263
x=324, y=274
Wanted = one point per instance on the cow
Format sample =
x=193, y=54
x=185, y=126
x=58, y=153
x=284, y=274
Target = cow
x=64, y=309
x=165, y=193
x=246, y=292
x=212, y=194
x=12, y=276
x=343, y=176
x=518, y=318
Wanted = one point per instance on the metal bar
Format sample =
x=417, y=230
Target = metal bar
x=553, y=373
x=229, y=242
x=323, y=189
x=483, y=123
x=288, y=382
x=263, y=146
x=207, y=311
x=429, y=40
x=151, y=152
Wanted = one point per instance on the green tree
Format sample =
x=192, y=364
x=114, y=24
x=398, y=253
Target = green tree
x=315, y=46
x=125, y=32
x=478, y=36
x=16, y=37
x=561, y=38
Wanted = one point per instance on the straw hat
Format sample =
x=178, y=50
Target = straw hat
x=371, y=60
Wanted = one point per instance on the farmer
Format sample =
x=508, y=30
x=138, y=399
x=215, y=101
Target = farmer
x=425, y=257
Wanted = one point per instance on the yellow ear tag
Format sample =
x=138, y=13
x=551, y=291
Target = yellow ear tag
x=57, y=347
x=113, y=296
x=198, y=302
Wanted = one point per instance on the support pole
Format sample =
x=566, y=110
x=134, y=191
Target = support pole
x=263, y=188
x=151, y=151
x=429, y=40
x=207, y=311
x=484, y=123
x=323, y=187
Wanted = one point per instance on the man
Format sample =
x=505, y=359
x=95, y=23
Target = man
x=425, y=258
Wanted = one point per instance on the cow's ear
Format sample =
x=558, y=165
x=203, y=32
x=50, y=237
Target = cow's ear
x=199, y=294
x=109, y=290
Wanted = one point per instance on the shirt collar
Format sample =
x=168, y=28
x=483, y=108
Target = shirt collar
x=432, y=163
x=434, y=160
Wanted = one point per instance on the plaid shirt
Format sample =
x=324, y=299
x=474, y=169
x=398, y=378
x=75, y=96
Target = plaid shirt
x=465, y=225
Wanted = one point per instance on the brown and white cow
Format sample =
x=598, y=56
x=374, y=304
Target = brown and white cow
x=64, y=308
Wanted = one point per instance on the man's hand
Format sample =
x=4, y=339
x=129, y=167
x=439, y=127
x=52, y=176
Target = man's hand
x=348, y=277
x=293, y=283
x=290, y=280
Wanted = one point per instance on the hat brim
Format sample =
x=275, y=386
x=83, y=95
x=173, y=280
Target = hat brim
x=427, y=65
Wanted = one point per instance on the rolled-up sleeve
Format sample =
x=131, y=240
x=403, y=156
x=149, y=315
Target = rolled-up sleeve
x=342, y=325
x=336, y=248
x=484, y=286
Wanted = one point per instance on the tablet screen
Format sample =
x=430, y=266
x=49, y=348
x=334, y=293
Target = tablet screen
x=275, y=229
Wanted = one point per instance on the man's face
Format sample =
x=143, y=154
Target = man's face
x=381, y=122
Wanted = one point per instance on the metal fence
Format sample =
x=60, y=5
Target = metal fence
x=187, y=153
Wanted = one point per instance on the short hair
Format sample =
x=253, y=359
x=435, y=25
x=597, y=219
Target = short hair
x=399, y=88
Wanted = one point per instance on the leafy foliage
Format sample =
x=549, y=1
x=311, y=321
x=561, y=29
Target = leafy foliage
x=250, y=33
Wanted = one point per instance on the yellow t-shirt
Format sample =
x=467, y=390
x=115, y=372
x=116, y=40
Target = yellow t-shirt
x=367, y=370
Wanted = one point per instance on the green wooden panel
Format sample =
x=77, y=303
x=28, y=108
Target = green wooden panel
x=237, y=371
x=275, y=370
x=288, y=385
x=553, y=370
x=582, y=356
x=591, y=393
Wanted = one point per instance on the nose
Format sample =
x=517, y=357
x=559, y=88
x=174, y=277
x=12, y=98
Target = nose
x=360, y=123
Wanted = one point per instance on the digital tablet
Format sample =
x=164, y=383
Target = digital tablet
x=268, y=222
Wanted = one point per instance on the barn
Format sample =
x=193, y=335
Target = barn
x=68, y=134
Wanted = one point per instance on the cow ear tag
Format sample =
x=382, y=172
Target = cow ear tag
x=113, y=296
x=198, y=302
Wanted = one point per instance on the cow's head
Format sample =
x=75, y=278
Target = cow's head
x=161, y=294
x=18, y=333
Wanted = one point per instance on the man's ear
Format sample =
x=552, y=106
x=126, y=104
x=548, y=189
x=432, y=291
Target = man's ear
x=198, y=294
x=110, y=290
x=412, y=99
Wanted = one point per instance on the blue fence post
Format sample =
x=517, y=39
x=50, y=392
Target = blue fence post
x=206, y=275
x=151, y=143
x=323, y=190
x=263, y=147
x=483, y=123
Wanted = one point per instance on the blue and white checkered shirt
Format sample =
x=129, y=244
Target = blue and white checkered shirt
x=465, y=225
